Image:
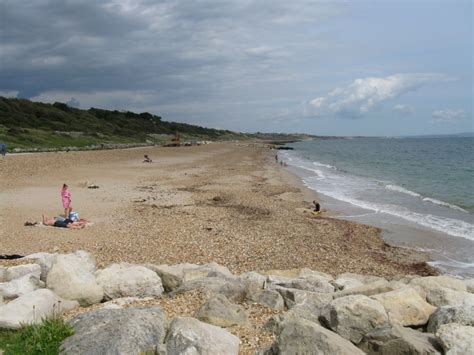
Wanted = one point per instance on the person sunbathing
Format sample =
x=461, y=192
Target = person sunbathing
x=63, y=223
x=147, y=159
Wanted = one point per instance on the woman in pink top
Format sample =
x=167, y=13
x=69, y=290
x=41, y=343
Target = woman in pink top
x=66, y=198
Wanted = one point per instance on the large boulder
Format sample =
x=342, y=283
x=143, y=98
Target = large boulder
x=254, y=283
x=349, y=280
x=293, y=296
x=309, y=283
x=173, y=276
x=369, y=289
x=127, y=280
x=354, y=316
x=219, y=311
x=442, y=296
x=44, y=260
x=191, y=336
x=20, y=286
x=304, y=337
x=456, y=339
x=232, y=288
x=271, y=299
x=117, y=331
x=424, y=284
x=32, y=308
x=298, y=273
x=397, y=340
x=463, y=314
x=72, y=277
x=15, y=272
x=405, y=306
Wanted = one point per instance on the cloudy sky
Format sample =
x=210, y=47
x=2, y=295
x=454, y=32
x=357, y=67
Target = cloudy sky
x=386, y=67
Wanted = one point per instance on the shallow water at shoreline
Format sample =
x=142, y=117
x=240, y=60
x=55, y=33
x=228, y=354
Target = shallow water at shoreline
x=408, y=219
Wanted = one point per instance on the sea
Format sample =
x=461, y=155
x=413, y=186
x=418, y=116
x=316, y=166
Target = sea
x=420, y=191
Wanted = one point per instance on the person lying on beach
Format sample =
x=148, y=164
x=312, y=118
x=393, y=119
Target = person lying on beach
x=64, y=223
x=147, y=159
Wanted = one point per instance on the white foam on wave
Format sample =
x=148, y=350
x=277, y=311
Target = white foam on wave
x=424, y=199
x=450, y=226
x=444, y=204
x=402, y=190
x=315, y=163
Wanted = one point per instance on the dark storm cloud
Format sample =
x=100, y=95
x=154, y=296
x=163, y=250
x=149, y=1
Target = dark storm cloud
x=169, y=56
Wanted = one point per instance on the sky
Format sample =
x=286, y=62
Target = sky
x=355, y=67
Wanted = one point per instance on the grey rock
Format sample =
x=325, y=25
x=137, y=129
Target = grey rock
x=271, y=299
x=309, y=283
x=20, y=286
x=305, y=337
x=32, y=308
x=425, y=284
x=293, y=296
x=15, y=272
x=254, y=283
x=372, y=288
x=128, y=280
x=190, y=336
x=220, y=312
x=354, y=316
x=173, y=276
x=45, y=261
x=116, y=331
x=350, y=280
x=72, y=277
x=456, y=339
x=298, y=273
x=232, y=288
x=463, y=314
x=397, y=340
x=442, y=296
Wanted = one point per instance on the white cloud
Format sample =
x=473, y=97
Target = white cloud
x=9, y=93
x=364, y=94
x=403, y=109
x=447, y=116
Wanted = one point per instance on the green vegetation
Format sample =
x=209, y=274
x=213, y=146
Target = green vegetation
x=43, y=338
x=27, y=125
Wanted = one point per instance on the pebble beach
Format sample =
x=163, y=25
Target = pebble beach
x=226, y=202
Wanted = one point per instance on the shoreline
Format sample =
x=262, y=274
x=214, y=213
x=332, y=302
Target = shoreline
x=225, y=202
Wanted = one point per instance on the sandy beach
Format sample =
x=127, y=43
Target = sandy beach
x=226, y=202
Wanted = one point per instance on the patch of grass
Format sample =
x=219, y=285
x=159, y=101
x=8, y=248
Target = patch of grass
x=44, y=338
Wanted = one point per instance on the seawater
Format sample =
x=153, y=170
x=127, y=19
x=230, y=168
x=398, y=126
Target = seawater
x=420, y=183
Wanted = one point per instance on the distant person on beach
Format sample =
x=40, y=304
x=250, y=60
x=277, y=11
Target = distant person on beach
x=66, y=200
x=147, y=159
x=276, y=158
x=63, y=223
x=3, y=149
x=317, y=207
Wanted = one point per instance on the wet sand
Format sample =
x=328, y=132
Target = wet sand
x=227, y=202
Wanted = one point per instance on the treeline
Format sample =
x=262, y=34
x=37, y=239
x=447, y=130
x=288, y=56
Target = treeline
x=16, y=115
